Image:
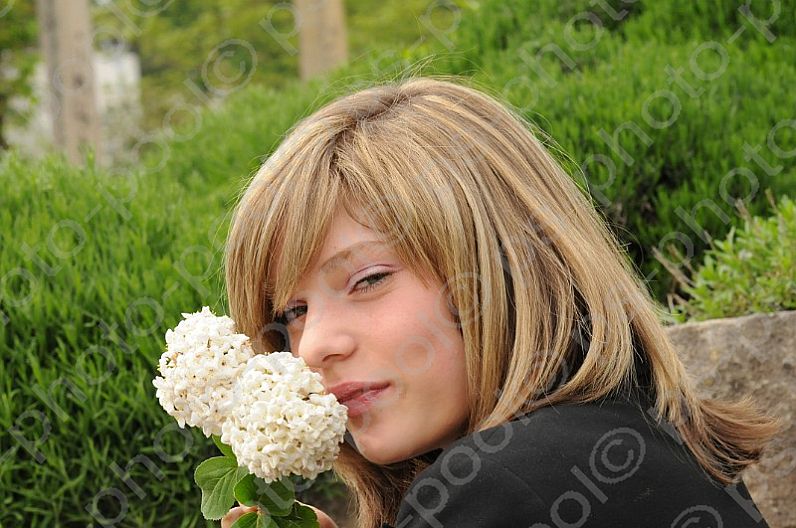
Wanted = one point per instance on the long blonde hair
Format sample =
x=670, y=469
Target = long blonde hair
x=468, y=194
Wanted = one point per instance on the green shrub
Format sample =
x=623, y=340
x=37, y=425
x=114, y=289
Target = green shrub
x=752, y=270
x=96, y=266
x=664, y=154
x=763, y=21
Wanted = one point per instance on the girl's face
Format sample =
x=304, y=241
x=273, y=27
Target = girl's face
x=369, y=319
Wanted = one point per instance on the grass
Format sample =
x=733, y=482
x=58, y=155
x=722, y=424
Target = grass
x=96, y=264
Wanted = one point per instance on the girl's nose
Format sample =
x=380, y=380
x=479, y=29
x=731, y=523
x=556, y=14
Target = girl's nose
x=326, y=336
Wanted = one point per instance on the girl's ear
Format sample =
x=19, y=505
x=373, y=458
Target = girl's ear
x=455, y=313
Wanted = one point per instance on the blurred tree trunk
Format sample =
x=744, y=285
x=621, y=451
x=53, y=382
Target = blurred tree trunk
x=66, y=42
x=323, y=39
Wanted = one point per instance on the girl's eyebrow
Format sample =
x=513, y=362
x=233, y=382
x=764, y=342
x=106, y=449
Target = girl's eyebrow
x=345, y=255
x=337, y=260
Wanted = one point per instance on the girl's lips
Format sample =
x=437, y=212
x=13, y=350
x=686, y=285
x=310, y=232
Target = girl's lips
x=361, y=402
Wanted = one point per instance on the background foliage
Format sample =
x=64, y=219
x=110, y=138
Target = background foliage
x=18, y=57
x=177, y=45
x=97, y=264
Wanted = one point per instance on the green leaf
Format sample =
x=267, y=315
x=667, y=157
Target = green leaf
x=224, y=448
x=255, y=520
x=277, y=497
x=217, y=478
x=301, y=517
x=246, y=491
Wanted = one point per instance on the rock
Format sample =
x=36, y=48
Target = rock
x=754, y=355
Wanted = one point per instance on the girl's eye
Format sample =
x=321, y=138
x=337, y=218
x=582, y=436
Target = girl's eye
x=288, y=315
x=377, y=278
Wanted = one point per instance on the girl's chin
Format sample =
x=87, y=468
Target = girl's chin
x=381, y=458
x=385, y=451
x=376, y=448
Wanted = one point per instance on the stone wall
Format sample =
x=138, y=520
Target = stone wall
x=754, y=355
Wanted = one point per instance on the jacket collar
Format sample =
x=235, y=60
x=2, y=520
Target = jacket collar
x=432, y=455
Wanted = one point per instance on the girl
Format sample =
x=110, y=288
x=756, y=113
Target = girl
x=501, y=361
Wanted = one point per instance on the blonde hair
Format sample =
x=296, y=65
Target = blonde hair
x=469, y=195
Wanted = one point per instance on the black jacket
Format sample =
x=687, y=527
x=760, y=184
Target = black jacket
x=605, y=464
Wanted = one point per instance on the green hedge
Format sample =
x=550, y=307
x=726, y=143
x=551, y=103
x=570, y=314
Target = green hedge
x=664, y=154
x=753, y=270
x=687, y=143
x=97, y=265
x=95, y=269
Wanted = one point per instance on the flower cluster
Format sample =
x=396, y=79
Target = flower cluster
x=202, y=361
x=270, y=409
x=281, y=422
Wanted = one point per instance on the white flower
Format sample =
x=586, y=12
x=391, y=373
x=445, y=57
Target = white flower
x=281, y=422
x=202, y=360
